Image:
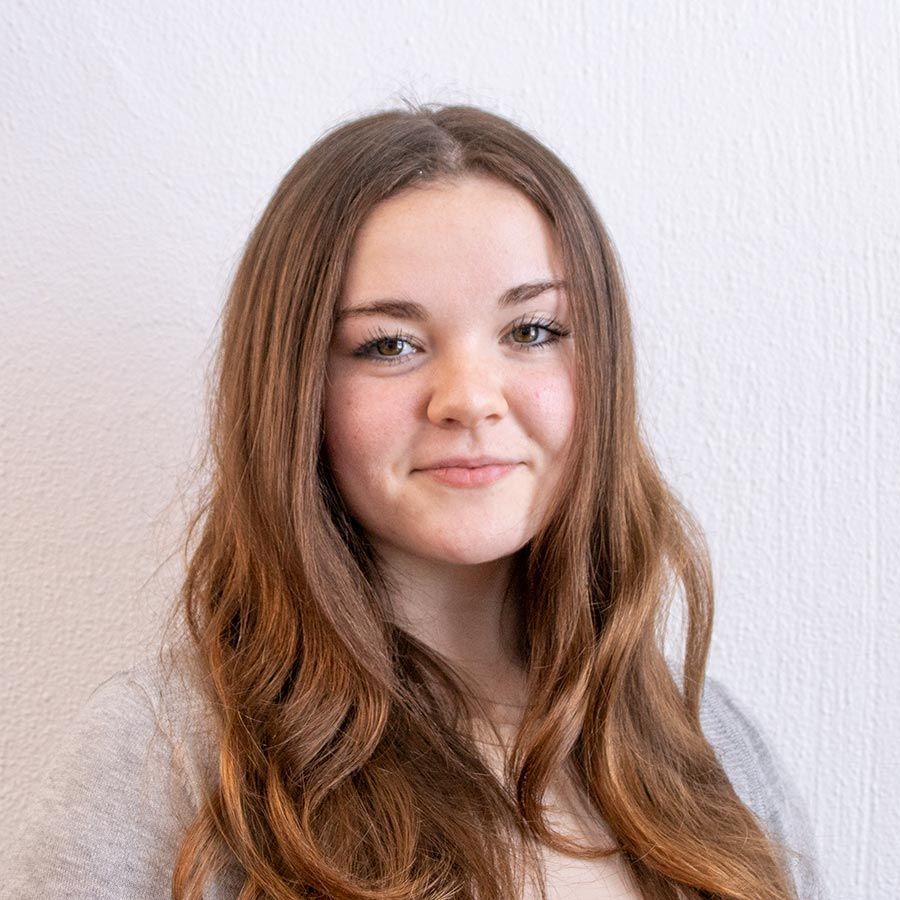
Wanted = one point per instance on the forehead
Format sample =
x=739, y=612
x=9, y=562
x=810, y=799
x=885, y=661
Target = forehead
x=477, y=233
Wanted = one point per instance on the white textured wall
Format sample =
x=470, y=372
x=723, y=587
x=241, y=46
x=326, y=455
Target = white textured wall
x=745, y=158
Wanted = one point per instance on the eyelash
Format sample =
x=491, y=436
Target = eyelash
x=376, y=337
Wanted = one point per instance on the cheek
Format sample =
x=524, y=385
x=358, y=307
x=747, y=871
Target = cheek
x=549, y=410
x=363, y=430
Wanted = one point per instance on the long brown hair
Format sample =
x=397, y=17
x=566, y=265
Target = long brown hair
x=342, y=769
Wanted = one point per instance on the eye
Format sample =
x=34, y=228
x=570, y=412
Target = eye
x=551, y=326
x=380, y=338
x=391, y=340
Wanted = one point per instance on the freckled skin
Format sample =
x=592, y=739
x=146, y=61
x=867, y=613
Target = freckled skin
x=465, y=387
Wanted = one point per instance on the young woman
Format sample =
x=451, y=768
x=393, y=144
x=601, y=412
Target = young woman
x=426, y=588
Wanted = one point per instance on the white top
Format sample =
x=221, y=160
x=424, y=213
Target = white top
x=568, y=877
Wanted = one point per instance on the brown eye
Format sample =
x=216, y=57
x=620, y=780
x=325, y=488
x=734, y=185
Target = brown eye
x=388, y=342
x=532, y=329
x=392, y=342
x=527, y=329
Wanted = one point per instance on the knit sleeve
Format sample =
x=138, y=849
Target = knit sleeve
x=760, y=779
x=111, y=809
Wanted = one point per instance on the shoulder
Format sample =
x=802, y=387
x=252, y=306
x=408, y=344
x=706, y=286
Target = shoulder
x=761, y=780
x=147, y=716
x=121, y=788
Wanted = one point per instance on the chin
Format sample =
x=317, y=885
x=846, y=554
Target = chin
x=468, y=551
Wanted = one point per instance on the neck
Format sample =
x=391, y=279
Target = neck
x=461, y=612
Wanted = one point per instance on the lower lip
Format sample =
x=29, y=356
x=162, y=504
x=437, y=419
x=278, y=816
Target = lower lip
x=479, y=476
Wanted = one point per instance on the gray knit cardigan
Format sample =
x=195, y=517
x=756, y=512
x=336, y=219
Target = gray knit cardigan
x=127, y=780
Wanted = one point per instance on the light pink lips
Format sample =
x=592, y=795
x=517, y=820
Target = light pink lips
x=478, y=476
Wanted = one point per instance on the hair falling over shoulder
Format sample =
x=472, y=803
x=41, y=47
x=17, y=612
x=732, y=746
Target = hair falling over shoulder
x=342, y=770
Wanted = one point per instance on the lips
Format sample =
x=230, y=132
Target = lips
x=469, y=462
x=470, y=476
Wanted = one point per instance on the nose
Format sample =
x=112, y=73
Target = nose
x=466, y=391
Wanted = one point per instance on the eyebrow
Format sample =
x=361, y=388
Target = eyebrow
x=398, y=308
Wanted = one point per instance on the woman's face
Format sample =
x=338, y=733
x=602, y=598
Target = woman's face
x=450, y=369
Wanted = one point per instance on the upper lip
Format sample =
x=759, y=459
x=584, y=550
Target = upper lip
x=469, y=462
